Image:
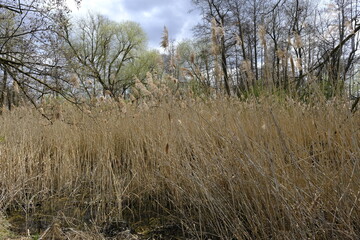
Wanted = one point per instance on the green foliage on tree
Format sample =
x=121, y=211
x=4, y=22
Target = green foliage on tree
x=107, y=54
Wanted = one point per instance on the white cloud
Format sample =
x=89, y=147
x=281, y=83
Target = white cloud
x=152, y=15
x=105, y=7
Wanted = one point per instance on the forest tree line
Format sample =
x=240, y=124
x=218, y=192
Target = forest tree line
x=240, y=47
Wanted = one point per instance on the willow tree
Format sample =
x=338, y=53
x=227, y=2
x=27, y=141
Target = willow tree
x=102, y=53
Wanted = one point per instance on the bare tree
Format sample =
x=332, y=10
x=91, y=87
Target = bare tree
x=218, y=11
x=27, y=30
x=287, y=42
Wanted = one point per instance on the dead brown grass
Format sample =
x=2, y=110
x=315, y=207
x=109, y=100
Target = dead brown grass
x=222, y=169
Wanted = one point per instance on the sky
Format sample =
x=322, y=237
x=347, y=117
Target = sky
x=178, y=16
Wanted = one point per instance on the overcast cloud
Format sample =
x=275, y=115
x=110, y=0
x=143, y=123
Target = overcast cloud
x=153, y=15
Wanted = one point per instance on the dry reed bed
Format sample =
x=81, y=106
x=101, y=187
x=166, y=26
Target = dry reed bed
x=223, y=168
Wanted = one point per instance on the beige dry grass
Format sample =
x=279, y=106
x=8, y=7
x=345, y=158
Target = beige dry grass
x=221, y=168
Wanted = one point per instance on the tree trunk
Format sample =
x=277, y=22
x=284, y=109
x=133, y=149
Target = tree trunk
x=3, y=91
x=224, y=66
